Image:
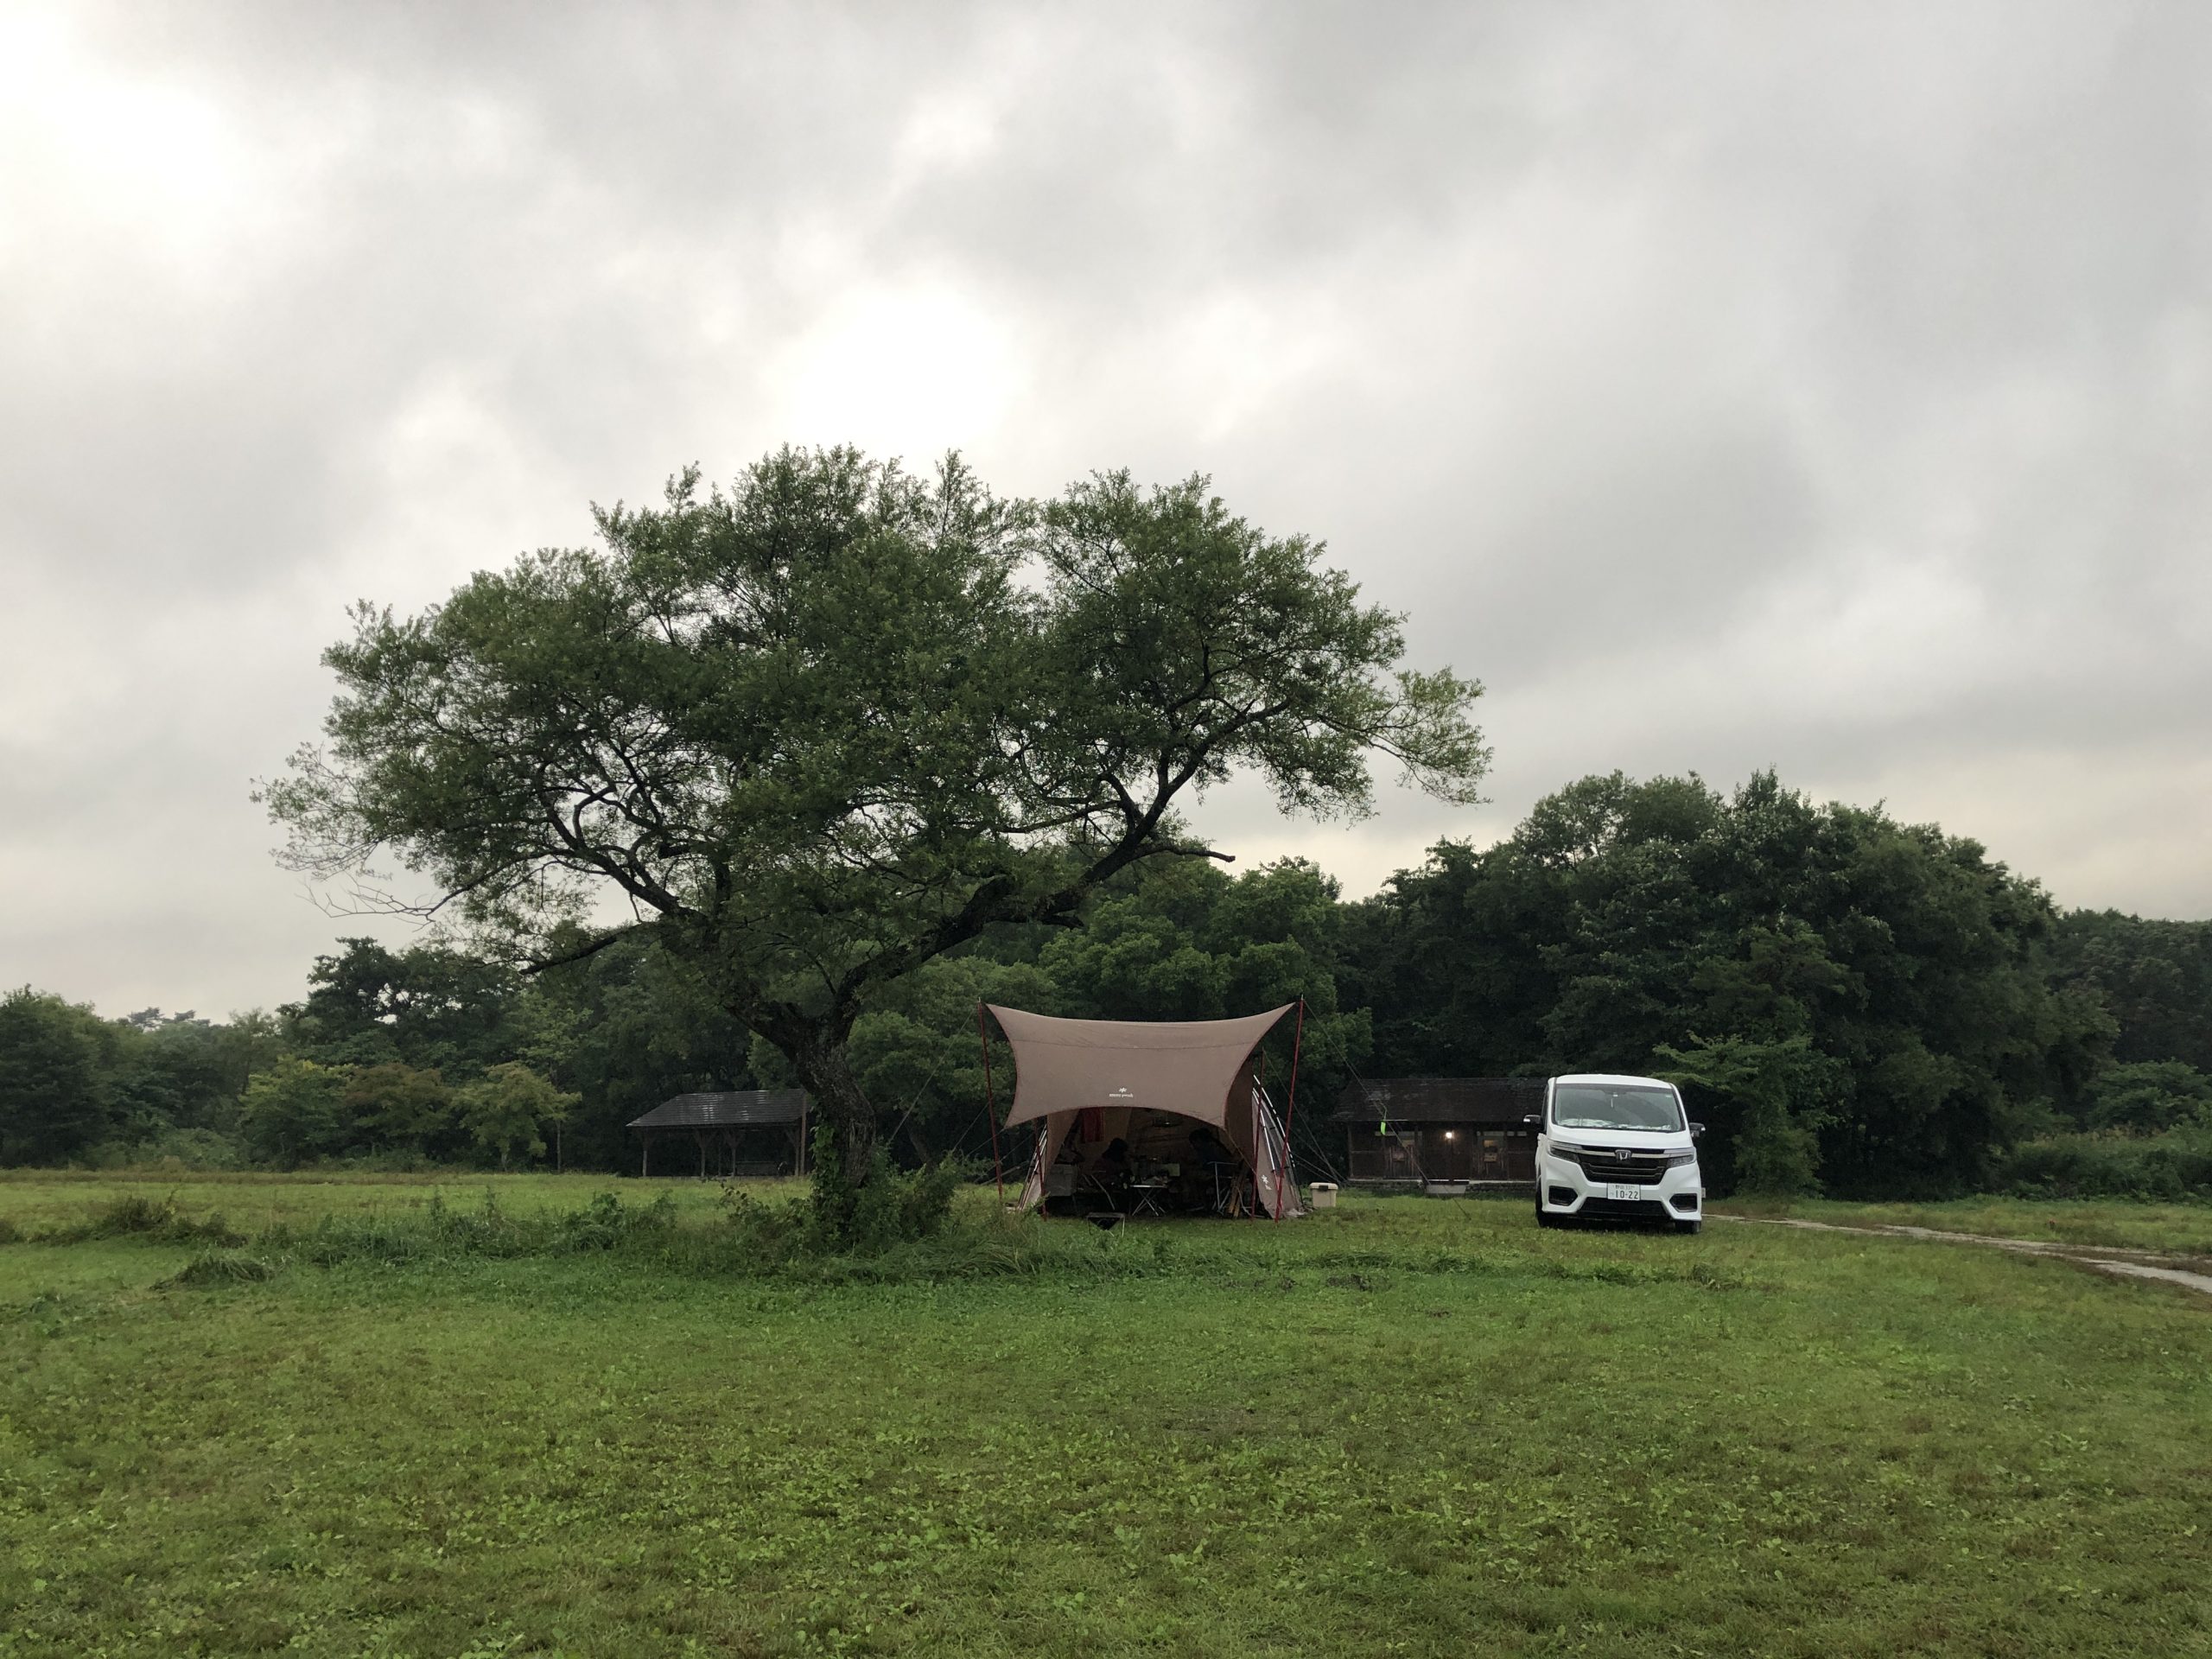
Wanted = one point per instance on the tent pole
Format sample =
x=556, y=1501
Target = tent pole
x=990, y=1103
x=1290, y=1111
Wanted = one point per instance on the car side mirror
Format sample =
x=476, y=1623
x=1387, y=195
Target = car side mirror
x=1697, y=1128
x=1533, y=1121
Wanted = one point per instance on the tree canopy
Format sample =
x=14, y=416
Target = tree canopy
x=1849, y=1001
x=817, y=729
x=1872, y=999
x=2155, y=976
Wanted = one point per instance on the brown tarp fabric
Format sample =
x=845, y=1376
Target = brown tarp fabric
x=1132, y=1071
x=1187, y=1067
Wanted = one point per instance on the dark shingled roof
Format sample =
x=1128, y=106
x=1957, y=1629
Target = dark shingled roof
x=1440, y=1100
x=738, y=1108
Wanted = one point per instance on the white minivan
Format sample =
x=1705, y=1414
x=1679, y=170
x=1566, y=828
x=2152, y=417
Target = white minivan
x=1621, y=1146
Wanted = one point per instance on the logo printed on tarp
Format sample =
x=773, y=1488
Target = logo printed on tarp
x=1120, y=1094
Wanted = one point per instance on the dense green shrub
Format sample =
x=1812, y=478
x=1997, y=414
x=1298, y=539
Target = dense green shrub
x=2151, y=1096
x=182, y=1151
x=894, y=1207
x=2176, y=1165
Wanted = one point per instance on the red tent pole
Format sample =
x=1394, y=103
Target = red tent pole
x=990, y=1102
x=1290, y=1112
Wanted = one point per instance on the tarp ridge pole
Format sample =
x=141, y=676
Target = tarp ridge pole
x=1290, y=1110
x=990, y=1102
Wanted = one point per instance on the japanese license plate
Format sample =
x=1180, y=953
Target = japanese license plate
x=1630, y=1194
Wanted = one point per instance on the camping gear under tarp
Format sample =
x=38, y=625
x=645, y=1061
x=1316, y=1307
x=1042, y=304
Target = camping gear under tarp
x=1105, y=1081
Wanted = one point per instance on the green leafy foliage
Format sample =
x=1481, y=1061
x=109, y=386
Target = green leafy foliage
x=507, y=1112
x=427, y=1007
x=624, y=1029
x=1816, y=970
x=394, y=1107
x=2149, y=1095
x=2177, y=1164
x=1775, y=1088
x=2154, y=977
x=918, y=1051
x=52, y=1101
x=294, y=1111
x=892, y=1207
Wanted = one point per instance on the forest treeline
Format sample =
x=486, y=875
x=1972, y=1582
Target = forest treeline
x=1857, y=1005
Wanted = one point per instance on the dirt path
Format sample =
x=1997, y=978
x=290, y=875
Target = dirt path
x=2112, y=1259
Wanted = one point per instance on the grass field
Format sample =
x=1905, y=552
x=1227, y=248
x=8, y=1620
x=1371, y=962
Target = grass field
x=1408, y=1426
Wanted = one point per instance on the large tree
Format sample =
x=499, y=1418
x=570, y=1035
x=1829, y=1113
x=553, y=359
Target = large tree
x=817, y=729
x=55, y=1078
x=431, y=1008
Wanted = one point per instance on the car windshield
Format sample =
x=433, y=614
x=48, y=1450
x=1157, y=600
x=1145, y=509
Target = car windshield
x=1614, y=1106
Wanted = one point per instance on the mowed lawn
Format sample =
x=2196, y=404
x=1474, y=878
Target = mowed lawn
x=1410, y=1427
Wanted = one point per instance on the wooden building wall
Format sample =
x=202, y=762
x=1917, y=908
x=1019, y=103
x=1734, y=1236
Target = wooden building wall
x=1441, y=1152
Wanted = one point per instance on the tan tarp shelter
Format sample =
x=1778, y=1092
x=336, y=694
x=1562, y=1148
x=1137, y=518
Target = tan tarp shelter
x=1137, y=1073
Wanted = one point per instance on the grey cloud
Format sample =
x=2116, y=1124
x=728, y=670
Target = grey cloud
x=1727, y=385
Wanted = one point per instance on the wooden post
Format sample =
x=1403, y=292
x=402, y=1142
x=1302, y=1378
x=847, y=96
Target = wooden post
x=801, y=1135
x=645, y=1153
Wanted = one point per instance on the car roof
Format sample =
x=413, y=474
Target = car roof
x=1615, y=1079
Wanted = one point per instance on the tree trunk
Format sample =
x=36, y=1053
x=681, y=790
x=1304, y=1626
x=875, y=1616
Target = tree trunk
x=822, y=1067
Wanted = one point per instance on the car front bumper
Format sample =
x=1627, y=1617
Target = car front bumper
x=1564, y=1188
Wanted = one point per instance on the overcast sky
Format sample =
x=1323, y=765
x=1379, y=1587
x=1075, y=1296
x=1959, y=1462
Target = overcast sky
x=1813, y=386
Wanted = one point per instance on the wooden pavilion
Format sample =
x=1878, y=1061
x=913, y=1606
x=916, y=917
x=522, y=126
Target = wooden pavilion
x=737, y=1131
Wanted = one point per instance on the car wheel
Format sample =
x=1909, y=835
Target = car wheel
x=1544, y=1217
x=1689, y=1226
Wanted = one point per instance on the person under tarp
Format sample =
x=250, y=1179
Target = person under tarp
x=1144, y=1087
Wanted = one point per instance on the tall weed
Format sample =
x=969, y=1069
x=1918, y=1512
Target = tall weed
x=157, y=1220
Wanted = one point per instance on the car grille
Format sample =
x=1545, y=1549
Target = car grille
x=1637, y=1169
x=1625, y=1208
